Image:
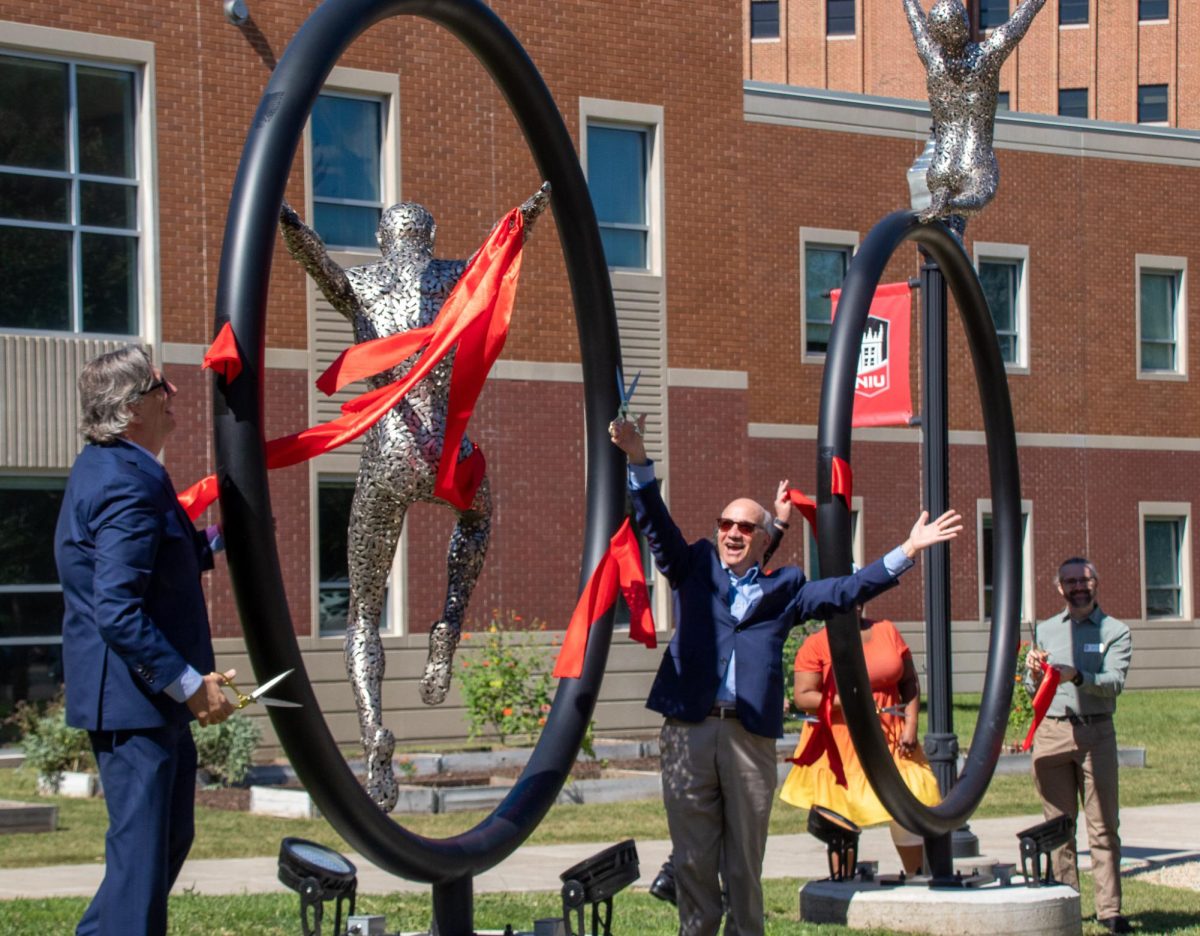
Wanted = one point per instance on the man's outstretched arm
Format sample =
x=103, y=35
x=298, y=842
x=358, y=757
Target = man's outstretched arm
x=307, y=248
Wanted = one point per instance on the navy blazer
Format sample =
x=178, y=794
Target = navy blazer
x=129, y=560
x=689, y=676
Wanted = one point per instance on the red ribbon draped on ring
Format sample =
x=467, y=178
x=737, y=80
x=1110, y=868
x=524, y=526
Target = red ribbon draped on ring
x=620, y=569
x=1041, y=701
x=841, y=484
x=821, y=739
x=475, y=317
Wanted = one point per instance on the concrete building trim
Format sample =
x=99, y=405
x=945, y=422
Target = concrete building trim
x=1169, y=509
x=873, y=115
x=802, y=431
x=1178, y=266
x=702, y=379
x=174, y=352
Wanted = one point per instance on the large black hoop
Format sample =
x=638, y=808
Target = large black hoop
x=245, y=496
x=833, y=521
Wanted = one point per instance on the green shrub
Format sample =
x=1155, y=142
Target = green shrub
x=225, y=750
x=506, y=682
x=51, y=746
x=1020, y=716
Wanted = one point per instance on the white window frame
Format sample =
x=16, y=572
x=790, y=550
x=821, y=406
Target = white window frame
x=1168, y=510
x=380, y=86
x=395, y=622
x=856, y=536
x=818, y=237
x=633, y=116
x=1156, y=263
x=983, y=508
x=138, y=56
x=1009, y=253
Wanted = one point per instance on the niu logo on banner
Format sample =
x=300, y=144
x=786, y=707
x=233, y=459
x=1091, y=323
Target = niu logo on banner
x=873, y=370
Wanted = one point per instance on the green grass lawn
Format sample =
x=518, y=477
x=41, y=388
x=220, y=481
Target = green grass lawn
x=1165, y=722
x=1152, y=909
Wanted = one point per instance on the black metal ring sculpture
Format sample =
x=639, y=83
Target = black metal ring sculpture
x=244, y=493
x=833, y=439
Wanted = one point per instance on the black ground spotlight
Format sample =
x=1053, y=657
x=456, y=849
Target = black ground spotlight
x=594, y=881
x=840, y=836
x=1040, y=840
x=317, y=874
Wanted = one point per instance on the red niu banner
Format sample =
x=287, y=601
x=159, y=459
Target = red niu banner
x=881, y=395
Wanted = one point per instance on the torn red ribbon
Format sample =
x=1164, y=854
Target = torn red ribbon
x=620, y=569
x=806, y=505
x=1041, y=701
x=475, y=317
x=842, y=481
x=821, y=739
x=222, y=356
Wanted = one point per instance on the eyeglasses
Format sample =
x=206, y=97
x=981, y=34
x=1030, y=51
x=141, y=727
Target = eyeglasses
x=745, y=527
x=162, y=383
x=1072, y=582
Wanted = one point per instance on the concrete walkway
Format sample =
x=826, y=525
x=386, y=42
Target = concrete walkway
x=1152, y=834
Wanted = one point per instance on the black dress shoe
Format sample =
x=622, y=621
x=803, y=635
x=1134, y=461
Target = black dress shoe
x=664, y=884
x=1116, y=924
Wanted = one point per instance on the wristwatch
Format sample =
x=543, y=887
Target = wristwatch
x=1077, y=679
x=779, y=524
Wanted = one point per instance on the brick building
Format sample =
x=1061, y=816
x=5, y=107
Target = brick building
x=729, y=200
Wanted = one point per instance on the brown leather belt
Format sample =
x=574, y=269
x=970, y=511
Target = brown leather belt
x=1082, y=719
x=722, y=711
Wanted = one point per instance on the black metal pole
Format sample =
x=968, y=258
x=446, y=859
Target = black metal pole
x=941, y=743
x=453, y=908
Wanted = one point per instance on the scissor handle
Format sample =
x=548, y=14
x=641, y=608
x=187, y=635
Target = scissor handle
x=242, y=699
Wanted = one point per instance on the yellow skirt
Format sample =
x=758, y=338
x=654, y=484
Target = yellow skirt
x=815, y=786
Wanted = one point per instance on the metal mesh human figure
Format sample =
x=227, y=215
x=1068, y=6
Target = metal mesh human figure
x=963, y=79
x=403, y=290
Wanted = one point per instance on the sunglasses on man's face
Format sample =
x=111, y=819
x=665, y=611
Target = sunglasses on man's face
x=161, y=384
x=745, y=527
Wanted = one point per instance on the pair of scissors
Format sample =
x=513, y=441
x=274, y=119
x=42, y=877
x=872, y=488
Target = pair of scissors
x=259, y=694
x=625, y=395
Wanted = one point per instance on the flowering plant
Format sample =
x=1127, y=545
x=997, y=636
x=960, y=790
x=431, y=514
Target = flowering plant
x=1021, y=714
x=506, y=682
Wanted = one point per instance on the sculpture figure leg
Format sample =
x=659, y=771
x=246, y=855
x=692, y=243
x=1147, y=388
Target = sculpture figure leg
x=376, y=519
x=464, y=561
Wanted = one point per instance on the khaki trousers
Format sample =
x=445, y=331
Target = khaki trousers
x=718, y=789
x=1079, y=762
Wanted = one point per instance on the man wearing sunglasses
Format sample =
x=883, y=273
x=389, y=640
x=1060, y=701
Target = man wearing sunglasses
x=720, y=685
x=1075, y=747
x=135, y=637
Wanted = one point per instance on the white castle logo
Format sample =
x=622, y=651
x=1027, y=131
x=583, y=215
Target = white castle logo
x=873, y=358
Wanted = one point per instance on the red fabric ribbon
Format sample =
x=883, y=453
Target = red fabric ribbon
x=222, y=356
x=842, y=482
x=806, y=505
x=821, y=740
x=475, y=317
x=620, y=569
x=1041, y=701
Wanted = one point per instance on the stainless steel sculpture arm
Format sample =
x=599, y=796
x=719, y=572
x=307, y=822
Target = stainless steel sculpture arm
x=1004, y=38
x=926, y=49
x=307, y=248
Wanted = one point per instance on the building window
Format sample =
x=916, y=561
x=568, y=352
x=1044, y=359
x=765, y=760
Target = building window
x=347, y=168
x=31, y=602
x=986, y=540
x=1002, y=273
x=839, y=17
x=1161, y=305
x=1073, y=102
x=1002, y=101
x=992, y=13
x=1150, y=10
x=1072, y=12
x=764, y=19
x=69, y=196
x=812, y=560
x=1166, y=560
x=826, y=257
x=618, y=169
x=1152, y=104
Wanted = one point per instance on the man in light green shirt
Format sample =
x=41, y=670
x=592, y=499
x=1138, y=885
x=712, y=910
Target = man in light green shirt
x=1075, y=748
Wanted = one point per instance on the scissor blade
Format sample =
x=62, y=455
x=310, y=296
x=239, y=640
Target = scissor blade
x=633, y=386
x=279, y=703
x=270, y=684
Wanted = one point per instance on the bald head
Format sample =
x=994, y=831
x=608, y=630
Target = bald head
x=745, y=541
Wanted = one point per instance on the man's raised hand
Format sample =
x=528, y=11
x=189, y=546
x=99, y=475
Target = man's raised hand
x=925, y=534
x=627, y=436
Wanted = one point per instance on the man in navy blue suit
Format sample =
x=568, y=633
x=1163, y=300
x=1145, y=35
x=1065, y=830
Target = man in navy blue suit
x=721, y=684
x=137, y=652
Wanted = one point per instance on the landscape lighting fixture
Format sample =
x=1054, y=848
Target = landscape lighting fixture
x=317, y=874
x=840, y=836
x=594, y=881
x=1040, y=840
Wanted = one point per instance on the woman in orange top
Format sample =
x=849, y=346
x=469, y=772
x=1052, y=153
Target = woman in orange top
x=893, y=683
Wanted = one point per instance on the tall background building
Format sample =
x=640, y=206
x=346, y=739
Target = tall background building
x=734, y=173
